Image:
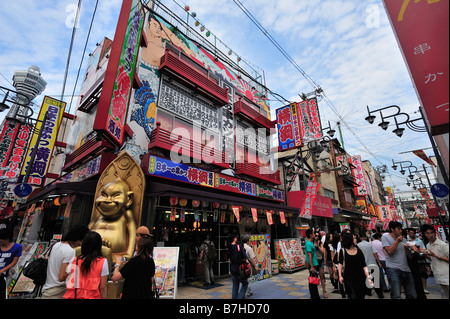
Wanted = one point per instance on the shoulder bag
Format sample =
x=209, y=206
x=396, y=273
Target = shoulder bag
x=37, y=269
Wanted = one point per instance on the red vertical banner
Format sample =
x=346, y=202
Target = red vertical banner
x=308, y=200
x=117, y=86
x=422, y=31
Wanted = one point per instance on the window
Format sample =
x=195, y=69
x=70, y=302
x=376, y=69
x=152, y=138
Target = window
x=328, y=193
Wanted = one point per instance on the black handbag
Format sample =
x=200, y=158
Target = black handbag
x=37, y=270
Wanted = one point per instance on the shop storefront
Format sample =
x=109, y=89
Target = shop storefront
x=186, y=204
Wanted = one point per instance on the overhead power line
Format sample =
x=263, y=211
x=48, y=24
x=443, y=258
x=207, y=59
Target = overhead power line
x=303, y=73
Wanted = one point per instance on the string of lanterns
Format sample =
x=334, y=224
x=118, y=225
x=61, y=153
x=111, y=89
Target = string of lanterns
x=235, y=212
x=208, y=33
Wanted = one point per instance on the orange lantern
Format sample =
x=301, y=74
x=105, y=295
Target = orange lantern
x=183, y=202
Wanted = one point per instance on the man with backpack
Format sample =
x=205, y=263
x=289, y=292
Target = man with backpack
x=208, y=255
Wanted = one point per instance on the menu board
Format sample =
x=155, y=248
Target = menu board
x=166, y=262
x=289, y=254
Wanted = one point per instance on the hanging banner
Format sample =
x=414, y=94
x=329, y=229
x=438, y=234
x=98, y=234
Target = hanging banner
x=13, y=147
x=236, y=213
x=424, y=156
x=182, y=215
x=310, y=120
x=422, y=32
x=282, y=218
x=222, y=216
x=426, y=196
x=269, y=217
x=255, y=214
x=384, y=213
x=173, y=214
x=358, y=173
x=54, y=110
x=308, y=200
x=289, y=127
x=373, y=222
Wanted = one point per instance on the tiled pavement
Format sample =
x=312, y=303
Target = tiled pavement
x=282, y=286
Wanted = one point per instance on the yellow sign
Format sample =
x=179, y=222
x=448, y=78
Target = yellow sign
x=54, y=109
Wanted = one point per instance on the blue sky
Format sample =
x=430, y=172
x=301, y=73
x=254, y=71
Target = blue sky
x=347, y=47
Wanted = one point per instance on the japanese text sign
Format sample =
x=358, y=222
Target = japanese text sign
x=54, y=110
x=358, y=173
x=124, y=77
x=15, y=141
x=189, y=174
x=310, y=119
x=422, y=31
x=289, y=127
x=308, y=200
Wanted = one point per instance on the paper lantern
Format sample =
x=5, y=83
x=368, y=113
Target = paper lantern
x=183, y=202
x=196, y=224
x=195, y=203
x=173, y=201
x=205, y=204
x=197, y=23
x=56, y=202
x=207, y=33
x=186, y=8
x=216, y=205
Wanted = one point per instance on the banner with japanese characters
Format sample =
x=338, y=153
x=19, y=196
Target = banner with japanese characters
x=422, y=32
x=358, y=173
x=384, y=213
x=54, y=110
x=13, y=145
x=308, y=200
x=310, y=119
x=289, y=127
x=426, y=196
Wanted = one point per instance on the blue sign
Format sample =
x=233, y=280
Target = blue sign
x=439, y=190
x=23, y=190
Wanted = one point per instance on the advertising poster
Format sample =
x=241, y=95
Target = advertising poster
x=289, y=254
x=166, y=261
x=261, y=247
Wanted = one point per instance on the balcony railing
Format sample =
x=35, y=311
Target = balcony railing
x=193, y=76
x=163, y=139
x=254, y=170
x=244, y=108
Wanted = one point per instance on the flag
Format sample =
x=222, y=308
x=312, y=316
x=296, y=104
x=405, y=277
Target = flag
x=423, y=156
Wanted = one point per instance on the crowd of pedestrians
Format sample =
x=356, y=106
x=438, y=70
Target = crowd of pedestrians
x=396, y=261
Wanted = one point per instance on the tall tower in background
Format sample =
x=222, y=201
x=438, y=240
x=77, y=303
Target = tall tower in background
x=29, y=83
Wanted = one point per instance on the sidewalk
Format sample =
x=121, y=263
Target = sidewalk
x=281, y=286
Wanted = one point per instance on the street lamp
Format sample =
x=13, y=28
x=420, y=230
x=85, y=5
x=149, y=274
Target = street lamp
x=330, y=131
x=412, y=126
x=7, y=98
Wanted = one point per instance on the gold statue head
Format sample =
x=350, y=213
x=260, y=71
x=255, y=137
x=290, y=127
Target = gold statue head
x=114, y=199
